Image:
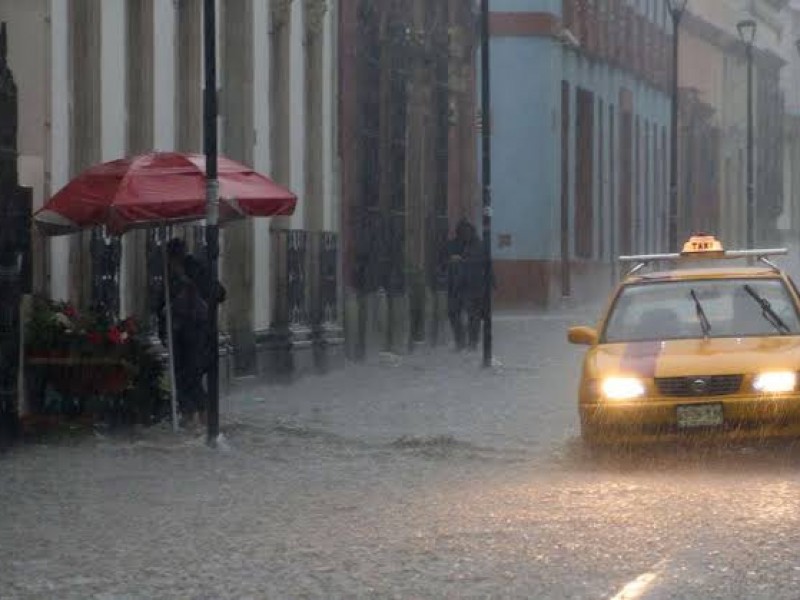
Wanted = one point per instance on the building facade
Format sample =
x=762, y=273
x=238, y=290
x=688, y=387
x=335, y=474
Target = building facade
x=789, y=223
x=407, y=152
x=713, y=119
x=580, y=127
x=102, y=79
x=581, y=144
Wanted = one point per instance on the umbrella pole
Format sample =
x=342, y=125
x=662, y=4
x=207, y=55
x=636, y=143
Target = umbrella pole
x=173, y=386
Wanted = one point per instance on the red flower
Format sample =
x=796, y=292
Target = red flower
x=95, y=338
x=115, y=336
x=129, y=326
x=70, y=311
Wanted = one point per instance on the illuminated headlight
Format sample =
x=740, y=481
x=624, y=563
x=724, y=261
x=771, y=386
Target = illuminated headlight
x=773, y=383
x=622, y=388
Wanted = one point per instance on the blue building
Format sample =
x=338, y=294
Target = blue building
x=580, y=142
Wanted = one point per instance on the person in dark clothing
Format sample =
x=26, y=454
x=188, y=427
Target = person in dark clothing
x=190, y=341
x=466, y=285
x=194, y=269
x=192, y=344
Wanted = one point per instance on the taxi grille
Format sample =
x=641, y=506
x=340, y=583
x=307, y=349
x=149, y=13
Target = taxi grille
x=686, y=387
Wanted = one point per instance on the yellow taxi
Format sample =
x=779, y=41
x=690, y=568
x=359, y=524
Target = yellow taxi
x=705, y=346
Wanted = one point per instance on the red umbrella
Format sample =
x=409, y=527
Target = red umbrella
x=159, y=188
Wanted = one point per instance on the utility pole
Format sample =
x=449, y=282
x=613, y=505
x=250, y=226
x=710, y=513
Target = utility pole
x=676, y=9
x=212, y=218
x=747, y=32
x=751, y=200
x=487, y=182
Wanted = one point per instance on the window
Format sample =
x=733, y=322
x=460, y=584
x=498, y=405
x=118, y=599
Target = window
x=667, y=310
x=601, y=195
x=584, y=179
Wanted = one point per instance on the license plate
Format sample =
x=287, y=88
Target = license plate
x=699, y=415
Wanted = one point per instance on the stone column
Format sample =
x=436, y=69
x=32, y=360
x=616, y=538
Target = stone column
x=261, y=161
x=140, y=107
x=314, y=13
x=189, y=77
x=188, y=97
x=163, y=27
x=387, y=302
x=58, y=167
x=324, y=333
x=275, y=343
x=113, y=119
x=419, y=171
x=86, y=130
x=237, y=112
x=280, y=95
x=442, y=120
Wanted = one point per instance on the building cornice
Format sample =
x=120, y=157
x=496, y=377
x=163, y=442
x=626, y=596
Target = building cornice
x=768, y=12
x=314, y=16
x=619, y=43
x=728, y=42
x=777, y=5
x=280, y=13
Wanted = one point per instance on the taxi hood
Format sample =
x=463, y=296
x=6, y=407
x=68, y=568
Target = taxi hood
x=695, y=357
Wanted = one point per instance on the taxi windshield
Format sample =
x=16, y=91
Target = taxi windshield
x=712, y=308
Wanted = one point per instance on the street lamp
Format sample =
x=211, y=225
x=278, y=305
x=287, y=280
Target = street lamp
x=212, y=201
x=676, y=9
x=487, y=181
x=747, y=31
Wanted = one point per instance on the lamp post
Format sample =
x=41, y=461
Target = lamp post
x=212, y=201
x=487, y=181
x=676, y=9
x=747, y=31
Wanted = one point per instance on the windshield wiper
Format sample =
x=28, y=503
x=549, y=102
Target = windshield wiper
x=701, y=315
x=768, y=312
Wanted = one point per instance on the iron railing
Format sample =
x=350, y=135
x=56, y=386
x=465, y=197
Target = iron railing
x=326, y=300
x=106, y=252
x=305, y=269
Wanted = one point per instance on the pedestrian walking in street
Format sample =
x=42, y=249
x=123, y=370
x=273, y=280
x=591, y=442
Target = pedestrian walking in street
x=466, y=285
x=192, y=344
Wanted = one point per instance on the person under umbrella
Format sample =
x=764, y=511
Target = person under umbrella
x=158, y=190
x=193, y=347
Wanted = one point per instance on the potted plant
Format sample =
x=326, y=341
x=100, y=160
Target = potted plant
x=93, y=357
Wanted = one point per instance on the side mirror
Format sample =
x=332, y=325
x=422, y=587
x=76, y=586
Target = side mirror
x=585, y=336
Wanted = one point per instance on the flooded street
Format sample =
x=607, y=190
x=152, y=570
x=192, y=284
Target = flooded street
x=413, y=477
x=248, y=191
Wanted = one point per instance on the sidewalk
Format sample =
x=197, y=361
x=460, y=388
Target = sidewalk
x=310, y=481
x=435, y=392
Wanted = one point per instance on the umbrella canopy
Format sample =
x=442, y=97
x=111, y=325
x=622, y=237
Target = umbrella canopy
x=159, y=188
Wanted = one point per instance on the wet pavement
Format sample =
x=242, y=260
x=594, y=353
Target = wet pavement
x=412, y=477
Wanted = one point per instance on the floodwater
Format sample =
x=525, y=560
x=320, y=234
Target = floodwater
x=414, y=477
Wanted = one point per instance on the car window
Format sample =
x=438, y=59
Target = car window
x=667, y=310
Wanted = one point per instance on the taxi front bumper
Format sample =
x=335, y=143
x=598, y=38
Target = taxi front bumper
x=743, y=415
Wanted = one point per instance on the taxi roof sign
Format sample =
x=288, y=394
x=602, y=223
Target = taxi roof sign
x=702, y=244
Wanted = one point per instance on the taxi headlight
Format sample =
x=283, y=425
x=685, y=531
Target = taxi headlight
x=776, y=382
x=622, y=388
